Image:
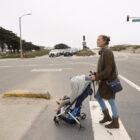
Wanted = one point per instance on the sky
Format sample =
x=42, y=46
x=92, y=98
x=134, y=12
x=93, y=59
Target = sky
x=66, y=21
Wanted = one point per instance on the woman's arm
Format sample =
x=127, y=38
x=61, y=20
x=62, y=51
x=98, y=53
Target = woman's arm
x=108, y=62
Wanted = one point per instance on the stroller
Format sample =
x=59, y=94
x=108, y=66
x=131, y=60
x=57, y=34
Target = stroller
x=71, y=112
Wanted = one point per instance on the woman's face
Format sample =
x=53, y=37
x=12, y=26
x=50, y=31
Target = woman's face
x=100, y=42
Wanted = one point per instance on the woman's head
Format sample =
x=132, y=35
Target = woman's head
x=103, y=40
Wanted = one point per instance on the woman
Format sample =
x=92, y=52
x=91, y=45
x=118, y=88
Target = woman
x=106, y=72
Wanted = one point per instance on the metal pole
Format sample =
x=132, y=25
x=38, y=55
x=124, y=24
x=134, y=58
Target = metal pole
x=21, y=51
x=21, y=48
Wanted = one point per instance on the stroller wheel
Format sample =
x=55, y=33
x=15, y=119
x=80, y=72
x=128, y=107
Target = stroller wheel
x=83, y=116
x=80, y=126
x=56, y=120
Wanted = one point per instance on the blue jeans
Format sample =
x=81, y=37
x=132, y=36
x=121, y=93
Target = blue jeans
x=112, y=103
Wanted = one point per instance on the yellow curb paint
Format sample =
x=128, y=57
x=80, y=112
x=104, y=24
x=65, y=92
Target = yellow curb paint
x=27, y=95
x=22, y=93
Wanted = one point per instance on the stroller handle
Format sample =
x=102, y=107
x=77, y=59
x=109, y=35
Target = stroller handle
x=91, y=73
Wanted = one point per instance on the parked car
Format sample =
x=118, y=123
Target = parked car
x=61, y=52
x=68, y=53
x=51, y=55
x=54, y=53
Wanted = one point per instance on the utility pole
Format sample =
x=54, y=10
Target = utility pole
x=20, y=29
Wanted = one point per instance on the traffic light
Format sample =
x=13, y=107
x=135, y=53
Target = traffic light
x=84, y=38
x=128, y=18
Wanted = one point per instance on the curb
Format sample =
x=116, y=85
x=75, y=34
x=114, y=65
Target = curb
x=32, y=95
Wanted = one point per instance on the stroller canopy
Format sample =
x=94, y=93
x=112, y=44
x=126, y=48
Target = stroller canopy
x=78, y=85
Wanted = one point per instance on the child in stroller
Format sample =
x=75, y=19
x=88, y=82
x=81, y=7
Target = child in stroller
x=62, y=101
x=69, y=108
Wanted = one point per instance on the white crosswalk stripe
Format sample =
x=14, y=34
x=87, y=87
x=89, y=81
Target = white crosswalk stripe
x=99, y=131
x=130, y=83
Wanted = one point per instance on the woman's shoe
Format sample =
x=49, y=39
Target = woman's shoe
x=106, y=118
x=113, y=124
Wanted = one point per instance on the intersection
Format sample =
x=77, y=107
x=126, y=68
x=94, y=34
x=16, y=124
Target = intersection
x=52, y=74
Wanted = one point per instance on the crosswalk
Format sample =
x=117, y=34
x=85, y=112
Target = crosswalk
x=102, y=133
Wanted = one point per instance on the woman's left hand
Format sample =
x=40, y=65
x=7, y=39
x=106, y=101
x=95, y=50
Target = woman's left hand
x=92, y=77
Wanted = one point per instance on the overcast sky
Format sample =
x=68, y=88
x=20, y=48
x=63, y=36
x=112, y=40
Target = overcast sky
x=65, y=21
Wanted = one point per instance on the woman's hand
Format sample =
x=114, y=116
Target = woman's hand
x=92, y=77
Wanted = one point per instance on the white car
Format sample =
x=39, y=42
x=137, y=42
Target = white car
x=54, y=53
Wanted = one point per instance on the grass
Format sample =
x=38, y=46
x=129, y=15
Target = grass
x=9, y=55
x=85, y=52
x=136, y=47
x=26, y=54
x=36, y=53
x=124, y=47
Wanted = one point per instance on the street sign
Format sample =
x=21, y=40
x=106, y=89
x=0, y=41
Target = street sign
x=136, y=20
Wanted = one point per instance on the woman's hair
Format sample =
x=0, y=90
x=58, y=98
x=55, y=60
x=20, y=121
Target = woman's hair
x=106, y=39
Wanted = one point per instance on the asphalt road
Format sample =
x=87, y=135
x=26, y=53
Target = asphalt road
x=52, y=74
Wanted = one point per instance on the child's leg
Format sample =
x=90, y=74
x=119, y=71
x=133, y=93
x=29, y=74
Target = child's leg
x=63, y=103
x=63, y=98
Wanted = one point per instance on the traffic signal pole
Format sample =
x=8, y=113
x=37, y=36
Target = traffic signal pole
x=134, y=19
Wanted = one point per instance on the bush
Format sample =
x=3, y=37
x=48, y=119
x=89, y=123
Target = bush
x=119, y=47
x=10, y=55
x=136, y=47
x=123, y=47
x=85, y=52
x=26, y=54
x=36, y=53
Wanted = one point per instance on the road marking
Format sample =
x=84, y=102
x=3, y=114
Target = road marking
x=46, y=70
x=5, y=66
x=67, y=68
x=17, y=66
x=130, y=83
x=32, y=65
x=3, y=60
x=55, y=64
x=120, y=56
x=82, y=63
x=12, y=59
x=99, y=131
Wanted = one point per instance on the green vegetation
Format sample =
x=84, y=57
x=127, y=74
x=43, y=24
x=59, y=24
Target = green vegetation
x=36, y=53
x=85, y=52
x=10, y=42
x=61, y=46
x=124, y=47
x=136, y=46
x=26, y=54
x=9, y=46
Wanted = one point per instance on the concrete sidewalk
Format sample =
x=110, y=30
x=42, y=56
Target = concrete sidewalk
x=17, y=115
